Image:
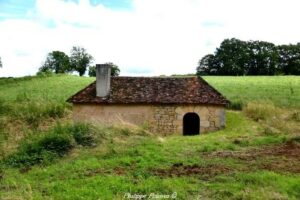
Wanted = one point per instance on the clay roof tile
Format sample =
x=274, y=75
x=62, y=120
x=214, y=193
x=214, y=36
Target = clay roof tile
x=153, y=90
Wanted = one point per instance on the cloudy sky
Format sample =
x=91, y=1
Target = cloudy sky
x=143, y=37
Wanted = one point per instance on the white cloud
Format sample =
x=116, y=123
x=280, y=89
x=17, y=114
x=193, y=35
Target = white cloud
x=155, y=36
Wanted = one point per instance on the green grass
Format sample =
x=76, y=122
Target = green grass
x=283, y=91
x=52, y=88
x=242, y=161
x=123, y=164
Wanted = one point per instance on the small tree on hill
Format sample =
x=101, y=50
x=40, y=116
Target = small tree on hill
x=57, y=62
x=115, y=71
x=80, y=60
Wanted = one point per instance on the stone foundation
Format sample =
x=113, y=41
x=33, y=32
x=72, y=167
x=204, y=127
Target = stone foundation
x=165, y=119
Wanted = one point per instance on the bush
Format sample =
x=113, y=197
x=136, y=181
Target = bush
x=236, y=105
x=259, y=111
x=58, y=144
x=40, y=150
x=53, y=144
x=83, y=134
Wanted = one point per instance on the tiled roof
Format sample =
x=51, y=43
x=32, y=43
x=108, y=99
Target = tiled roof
x=152, y=90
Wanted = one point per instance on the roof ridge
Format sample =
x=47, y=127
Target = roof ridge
x=70, y=99
x=153, y=90
x=204, y=81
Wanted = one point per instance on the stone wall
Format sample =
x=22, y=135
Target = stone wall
x=164, y=119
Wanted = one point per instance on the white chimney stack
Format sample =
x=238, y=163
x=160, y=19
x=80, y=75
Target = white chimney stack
x=102, y=79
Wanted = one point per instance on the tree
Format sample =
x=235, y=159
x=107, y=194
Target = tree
x=206, y=64
x=57, y=62
x=263, y=58
x=236, y=57
x=115, y=71
x=80, y=60
x=231, y=57
x=289, y=57
x=0, y=62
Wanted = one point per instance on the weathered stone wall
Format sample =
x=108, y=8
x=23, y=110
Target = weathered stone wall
x=161, y=118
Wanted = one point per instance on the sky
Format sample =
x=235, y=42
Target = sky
x=142, y=37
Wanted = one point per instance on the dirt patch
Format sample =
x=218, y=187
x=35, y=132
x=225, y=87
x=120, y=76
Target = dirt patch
x=282, y=158
x=115, y=171
x=119, y=171
x=288, y=150
x=281, y=166
x=179, y=169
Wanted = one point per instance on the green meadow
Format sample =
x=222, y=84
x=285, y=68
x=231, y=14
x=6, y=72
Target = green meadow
x=44, y=155
x=282, y=91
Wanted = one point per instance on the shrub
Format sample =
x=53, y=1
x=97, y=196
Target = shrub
x=235, y=105
x=259, y=111
x=40, y=150
x=83, y=134
x=58, y=144
x=55, y=143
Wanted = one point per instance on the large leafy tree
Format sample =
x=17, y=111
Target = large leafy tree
x=115, y=71
x=57, y=62
x=231, y=56
x=206, y=65
x=80, y=60
x=289, y=56
x=263, y=58
x=236, y=57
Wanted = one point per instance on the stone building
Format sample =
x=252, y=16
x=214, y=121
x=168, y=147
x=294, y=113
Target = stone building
x=183, y=105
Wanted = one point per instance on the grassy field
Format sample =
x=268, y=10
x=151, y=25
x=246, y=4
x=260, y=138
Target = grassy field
x=283, y=91
x=255, y=157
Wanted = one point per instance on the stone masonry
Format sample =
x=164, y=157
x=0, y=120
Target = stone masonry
x=164, y=119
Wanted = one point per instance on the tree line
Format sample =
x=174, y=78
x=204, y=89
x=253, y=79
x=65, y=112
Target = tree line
x=79, y=61
x=237, y=57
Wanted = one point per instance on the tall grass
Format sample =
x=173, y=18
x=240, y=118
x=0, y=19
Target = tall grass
x=274, y=120
x=46, y=146
x=260, y=111
x=33, y=113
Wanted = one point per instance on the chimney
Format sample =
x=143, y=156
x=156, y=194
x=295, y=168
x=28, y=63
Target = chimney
x=102, y=79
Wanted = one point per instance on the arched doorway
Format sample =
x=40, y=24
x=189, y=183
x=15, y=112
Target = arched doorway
x=191, y=124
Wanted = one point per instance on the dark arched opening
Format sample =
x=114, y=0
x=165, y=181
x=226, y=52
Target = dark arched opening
x=191, y=124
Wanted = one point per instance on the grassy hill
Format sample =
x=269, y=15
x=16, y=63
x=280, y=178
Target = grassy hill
x=45, y=156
